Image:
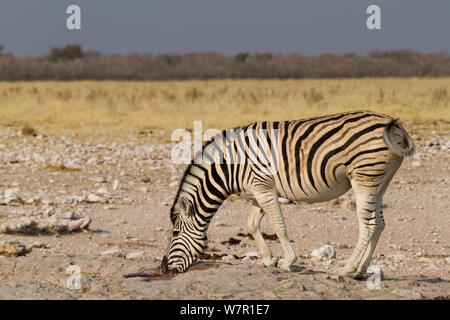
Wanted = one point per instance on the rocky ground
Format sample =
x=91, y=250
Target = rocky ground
x=95, y=210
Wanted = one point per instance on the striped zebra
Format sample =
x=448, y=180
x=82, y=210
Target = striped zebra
x=309, y=160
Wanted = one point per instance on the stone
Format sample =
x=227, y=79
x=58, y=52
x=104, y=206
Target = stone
x=11, y=195
x=288, y=284
x=136, y=255
x=102, y=191
x=324, y=252
x=115, y=185
x=253, y=254
x=416, y=164
x=40, y=244
x=228, y=258
x=337, y=278
x=115, y=251
x=92, y=198
x=13, y=249
x=40, y=224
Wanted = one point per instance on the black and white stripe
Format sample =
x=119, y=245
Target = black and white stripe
x=308, y=160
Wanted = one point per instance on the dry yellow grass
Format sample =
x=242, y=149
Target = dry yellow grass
x=116, y=107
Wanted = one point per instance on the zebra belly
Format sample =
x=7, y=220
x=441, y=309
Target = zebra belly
x=325, y=193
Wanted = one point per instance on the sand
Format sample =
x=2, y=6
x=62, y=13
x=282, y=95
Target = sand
x=102, y=211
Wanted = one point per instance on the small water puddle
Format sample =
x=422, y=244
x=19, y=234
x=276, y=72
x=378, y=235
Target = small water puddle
x=155, y=274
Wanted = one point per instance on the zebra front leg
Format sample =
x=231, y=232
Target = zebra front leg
x=371, y=224
x=268, y=201
x=254, y=221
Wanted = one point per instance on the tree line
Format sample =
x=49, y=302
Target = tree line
x=73, y=63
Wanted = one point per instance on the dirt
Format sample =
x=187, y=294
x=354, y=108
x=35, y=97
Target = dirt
x=126, y=190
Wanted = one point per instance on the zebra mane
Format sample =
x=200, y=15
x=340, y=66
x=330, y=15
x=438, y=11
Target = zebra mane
x=205, y=144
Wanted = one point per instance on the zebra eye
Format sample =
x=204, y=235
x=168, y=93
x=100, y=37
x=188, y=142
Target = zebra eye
x=175, y=233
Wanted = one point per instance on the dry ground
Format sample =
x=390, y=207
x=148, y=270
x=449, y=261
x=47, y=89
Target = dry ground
x=45, y=175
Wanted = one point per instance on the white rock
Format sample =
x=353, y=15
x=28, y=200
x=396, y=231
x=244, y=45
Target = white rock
x=325, y=252
x=112, y=251
x=102, y=191
x=253, y=254
x=115, y=185
x=99, y=179
x=416, y=164
x=136, y=255
x=92, y=198
x=74, y=200
x=38, y=158
x=57, y=161
x=425, y=260
x=228, y=258
x=11, y=195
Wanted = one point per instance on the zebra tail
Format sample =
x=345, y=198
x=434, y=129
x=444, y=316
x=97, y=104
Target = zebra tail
x=398, y=140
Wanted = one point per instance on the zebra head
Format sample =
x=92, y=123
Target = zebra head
x=188, y=238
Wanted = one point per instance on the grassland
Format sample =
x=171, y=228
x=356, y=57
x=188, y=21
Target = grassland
x=154, y=108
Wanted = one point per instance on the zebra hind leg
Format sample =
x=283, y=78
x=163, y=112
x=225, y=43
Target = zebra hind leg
x=268, y=201
x=371, y=224
x=254, y=222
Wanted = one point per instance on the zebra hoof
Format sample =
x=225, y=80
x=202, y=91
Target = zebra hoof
x=284, y=264
x=352, y=273
x=270, y=262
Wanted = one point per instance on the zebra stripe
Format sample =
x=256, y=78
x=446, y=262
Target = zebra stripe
x=309, y=160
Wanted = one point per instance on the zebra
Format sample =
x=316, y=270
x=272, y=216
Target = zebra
x=308, y=160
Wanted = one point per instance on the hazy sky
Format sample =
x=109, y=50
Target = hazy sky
x=31, y=27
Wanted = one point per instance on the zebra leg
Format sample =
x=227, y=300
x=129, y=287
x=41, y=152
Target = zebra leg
x=371, y=224
x=254, y=221
x=268, y=201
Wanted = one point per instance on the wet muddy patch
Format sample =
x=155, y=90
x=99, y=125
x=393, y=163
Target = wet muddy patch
x=154, y=274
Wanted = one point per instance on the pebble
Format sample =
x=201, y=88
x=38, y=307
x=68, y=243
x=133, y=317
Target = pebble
x=288, y=284
x=40, y=224
x=325, y=252
x=136, y=255
x=228, y=258
x=40, y=244
x=416, y=164
x=115, y=185
x=337, y=278
x=11, y=195
x=115, y=251
x=92, y=198
x=102, y=191
x=251, y=254
x=13, y=249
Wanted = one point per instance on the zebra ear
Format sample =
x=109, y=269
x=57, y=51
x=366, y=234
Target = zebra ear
x=186, y=207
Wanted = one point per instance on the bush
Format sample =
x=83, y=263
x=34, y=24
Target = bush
x=69, y=52
x=241, y=57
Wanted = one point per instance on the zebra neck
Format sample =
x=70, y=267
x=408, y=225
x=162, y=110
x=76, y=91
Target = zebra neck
x=200, y=188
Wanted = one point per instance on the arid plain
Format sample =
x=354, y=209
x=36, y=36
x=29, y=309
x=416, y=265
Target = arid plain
x=87, y=181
